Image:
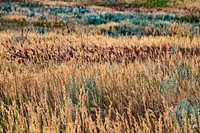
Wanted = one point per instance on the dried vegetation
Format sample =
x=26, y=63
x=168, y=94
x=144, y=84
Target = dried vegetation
x=77, y=79
x=56, y=83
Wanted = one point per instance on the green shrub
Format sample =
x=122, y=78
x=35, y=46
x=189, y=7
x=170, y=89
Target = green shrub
x=95, y=20
x=116, y=17
x=90, y=88
x=186, y=108
x=31, y=14
x=135, y=21
x=168, y=86
x=184, y=71
x=74, y=92
x=84, y=10
x=7, y=7
x=30, y=5
x=41, y=30
x=188, y=19
x=65, y=18
x=43, y=17
x=78, y=16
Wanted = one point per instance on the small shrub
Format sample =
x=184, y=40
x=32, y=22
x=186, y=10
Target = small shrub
x=135, y=30
x=135, y=21
x=196, y=28
x=65, y=18
x=31, y=14
x=41, y=30
x=73, y=92
x=78, y=16
x=7, y=7
x=175, y=50
x=168, y=86
x=188, y=19
x=91, y=90
x=43, y=17
x=169, y=17
x=184, y=71
x=150, y=17
x=116, y=17
x=30, y=5
x=185, y=107
x=59, y=10
x=84, y=11
x=95, y=20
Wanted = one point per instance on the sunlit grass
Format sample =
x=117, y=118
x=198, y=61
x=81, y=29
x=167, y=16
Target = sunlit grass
x=99, y=77
x=75, y=96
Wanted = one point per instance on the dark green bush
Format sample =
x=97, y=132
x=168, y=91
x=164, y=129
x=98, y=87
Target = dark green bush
x=84, y=10
x=95, y=20
x=65, y=18
x=7, y=7
x=30, y=5
x=186, y=108
x=188, y=19
x=135, y=21
x=77, y=15
x=131, y=30
x=57, y=10
x=116, y=17
x=41, y=30
x=169, y=17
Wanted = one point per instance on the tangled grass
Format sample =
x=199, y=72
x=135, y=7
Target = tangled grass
x=71, y=68
x=29, y=50
x=38, y=93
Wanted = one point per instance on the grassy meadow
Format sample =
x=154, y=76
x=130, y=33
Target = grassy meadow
x=98, y=67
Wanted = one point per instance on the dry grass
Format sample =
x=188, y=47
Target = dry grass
x=12, y=17
x=76, y=96
x=182, y=4
x=52, y=38
x=54, y=2
x=175, y=6
x=190, y=4
x=40, y=101
x=96, y=48
x=94, y=83
x=100, y=8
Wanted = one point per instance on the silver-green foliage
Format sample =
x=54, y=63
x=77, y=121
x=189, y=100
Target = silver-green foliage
x=185, y=109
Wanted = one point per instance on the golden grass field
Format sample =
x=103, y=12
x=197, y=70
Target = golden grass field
x=87, y=93
x=77, y=82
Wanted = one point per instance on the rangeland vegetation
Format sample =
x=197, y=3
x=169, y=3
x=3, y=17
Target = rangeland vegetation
x=71, y=68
